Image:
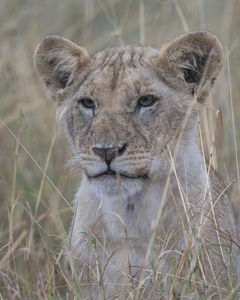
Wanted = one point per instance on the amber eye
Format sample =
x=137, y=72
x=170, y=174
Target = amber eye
x=87, y=103
x=147, y=100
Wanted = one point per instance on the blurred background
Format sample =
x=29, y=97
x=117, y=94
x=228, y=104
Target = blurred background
x=36, y=210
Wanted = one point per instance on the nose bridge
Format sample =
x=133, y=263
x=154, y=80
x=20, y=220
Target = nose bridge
x=106, y=133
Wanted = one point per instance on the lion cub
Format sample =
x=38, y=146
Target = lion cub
x=150, y=219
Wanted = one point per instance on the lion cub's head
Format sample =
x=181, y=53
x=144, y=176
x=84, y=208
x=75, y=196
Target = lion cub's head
x=123, y=106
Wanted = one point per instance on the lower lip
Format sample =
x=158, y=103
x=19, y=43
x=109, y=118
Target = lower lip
x=109, y=173
x=112, y=173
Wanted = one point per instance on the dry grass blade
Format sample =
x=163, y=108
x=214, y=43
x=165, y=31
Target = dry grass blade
x=37, y=164
x=45, y=170
x=233, y=119
x=12, y=249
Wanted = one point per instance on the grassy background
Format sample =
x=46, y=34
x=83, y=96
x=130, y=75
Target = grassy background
x=35, y=210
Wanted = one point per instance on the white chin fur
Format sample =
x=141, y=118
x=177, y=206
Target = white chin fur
x=111, y=185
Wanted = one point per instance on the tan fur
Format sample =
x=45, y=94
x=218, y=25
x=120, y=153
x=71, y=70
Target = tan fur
x=160, y=206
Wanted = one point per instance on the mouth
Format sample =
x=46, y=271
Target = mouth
x=115, y=174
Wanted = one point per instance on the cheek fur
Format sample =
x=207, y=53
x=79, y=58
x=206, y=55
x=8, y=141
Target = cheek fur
x=75, y=122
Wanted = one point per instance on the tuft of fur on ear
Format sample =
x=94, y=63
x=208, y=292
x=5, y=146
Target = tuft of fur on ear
x=192, y=62
x=57, y=60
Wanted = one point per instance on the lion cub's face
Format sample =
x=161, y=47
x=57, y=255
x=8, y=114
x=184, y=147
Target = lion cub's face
x=122, y=107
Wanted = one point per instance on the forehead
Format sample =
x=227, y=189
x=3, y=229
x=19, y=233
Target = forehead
x=121, y=68
x=125, y=56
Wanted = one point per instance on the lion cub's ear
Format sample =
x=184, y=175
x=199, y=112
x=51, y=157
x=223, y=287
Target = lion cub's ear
x=192, y=62
x=57, y=60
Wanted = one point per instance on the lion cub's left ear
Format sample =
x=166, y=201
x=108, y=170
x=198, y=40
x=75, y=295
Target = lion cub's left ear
x=57, y=60
x=192, y=62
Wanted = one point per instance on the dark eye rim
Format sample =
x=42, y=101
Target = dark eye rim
x=154, y=99
x=81, y=101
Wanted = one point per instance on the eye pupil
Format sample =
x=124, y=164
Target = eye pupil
x=146, y=100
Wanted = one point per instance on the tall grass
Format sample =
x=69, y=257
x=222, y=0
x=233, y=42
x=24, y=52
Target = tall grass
x=36, y=189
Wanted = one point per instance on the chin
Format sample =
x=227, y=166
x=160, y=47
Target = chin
x=106, y=185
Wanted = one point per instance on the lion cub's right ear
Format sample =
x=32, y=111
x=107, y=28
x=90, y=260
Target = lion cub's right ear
x=57, y=60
